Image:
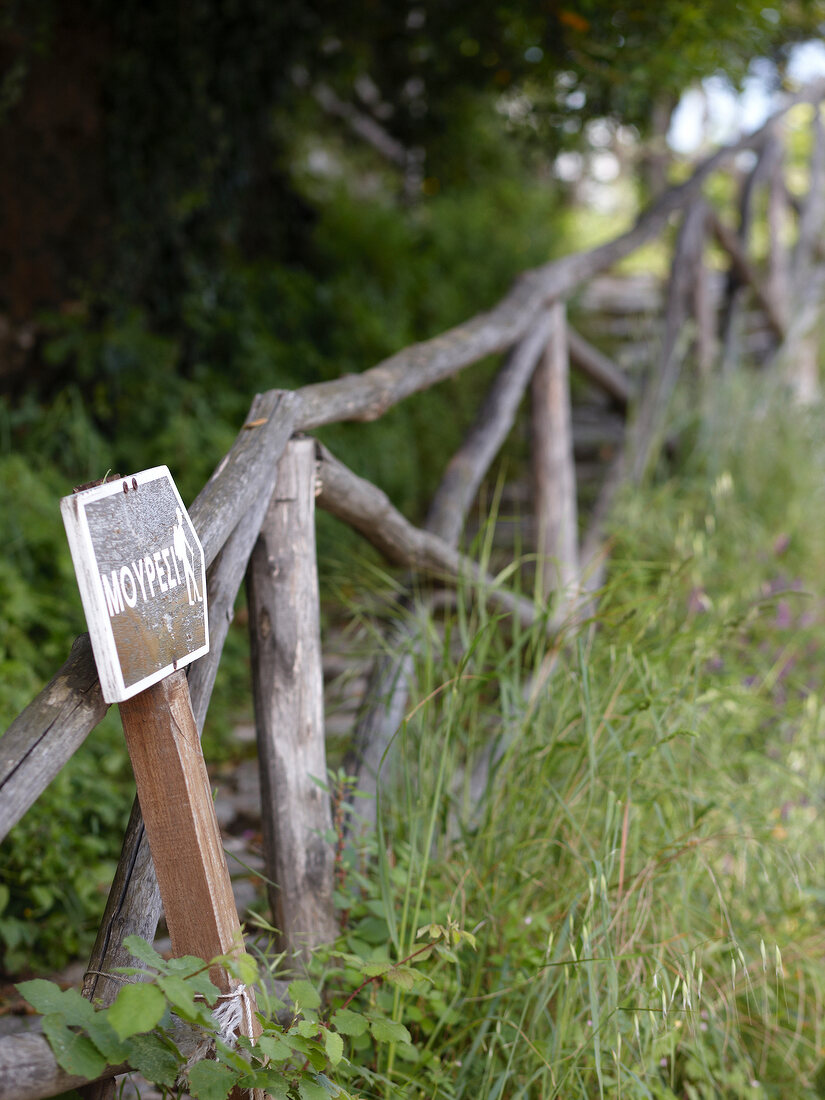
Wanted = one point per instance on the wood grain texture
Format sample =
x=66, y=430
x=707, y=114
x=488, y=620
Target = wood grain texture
x=184, y=839
x=246, y=472
x=52, y=727
x=554, y=470
x=288, y=689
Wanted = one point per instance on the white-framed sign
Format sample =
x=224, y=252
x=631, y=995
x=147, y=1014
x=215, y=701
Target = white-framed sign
x=142, y=579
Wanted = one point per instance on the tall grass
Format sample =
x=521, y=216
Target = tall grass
x=643, y=870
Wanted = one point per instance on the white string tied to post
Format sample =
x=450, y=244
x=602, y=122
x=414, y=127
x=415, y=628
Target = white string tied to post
x=233, y=1012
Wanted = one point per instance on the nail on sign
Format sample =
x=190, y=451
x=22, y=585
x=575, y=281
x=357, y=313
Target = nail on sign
x=142, y=579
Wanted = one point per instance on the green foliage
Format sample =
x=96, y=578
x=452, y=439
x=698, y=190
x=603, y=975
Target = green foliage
x=300, y=1054
x=640, y=866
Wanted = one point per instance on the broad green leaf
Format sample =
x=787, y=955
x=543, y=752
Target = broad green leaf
x=376, y=969
x=334, y=1045
x=144, y=951
x=179, y=993
x=311, y=1090
x=231, y=1057
x=210, y=1080
x=104, y=1037
x=317, y=1057
x=402, y=976
x=241, y=966
x=201, y=984
x=271, y=1081
x=5, y=894
x=47, y=998
x=274, y=1047
x=151, y=1056
x=303, y=994
x=75, y=1053
x=407, y=1051
x=137, y=1008
x=388, y=1031
x=307, y=1028
x=349, y=1023
x=186, y=965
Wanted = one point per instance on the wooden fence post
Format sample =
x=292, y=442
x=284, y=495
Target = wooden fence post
x=554, y=472
x=176, y=800
x=284, y=623
x=802, y=355
x=778, y=219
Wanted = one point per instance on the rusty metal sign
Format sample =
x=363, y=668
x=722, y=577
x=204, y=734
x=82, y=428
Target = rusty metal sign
x=142, y=579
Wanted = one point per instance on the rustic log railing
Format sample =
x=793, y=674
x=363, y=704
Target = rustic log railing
x=255, y=520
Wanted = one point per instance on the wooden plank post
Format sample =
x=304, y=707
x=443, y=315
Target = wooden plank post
x=554, y=472
x=142, y=579
x=284, y=618
x=184, y=839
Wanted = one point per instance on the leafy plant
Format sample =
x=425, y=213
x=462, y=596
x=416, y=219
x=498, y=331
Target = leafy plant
x=300, y=1052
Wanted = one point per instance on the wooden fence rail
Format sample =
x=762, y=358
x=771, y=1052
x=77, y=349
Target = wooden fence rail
x=254, y=518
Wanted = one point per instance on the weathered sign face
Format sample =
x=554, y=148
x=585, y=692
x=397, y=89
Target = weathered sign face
x=142, y=579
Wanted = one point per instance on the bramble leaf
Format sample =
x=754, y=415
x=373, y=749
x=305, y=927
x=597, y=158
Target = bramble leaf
x=311, y=1090
x=274, y=1048
x=48, y=998
x=388, y=1031
x=334, y=1045
x=144, y=951
x=137, y=1008
x=402, y=976
x=211, y=1080
x=75, y=1053
x=151, y=1056
x=304, y=994
x=349, y=1023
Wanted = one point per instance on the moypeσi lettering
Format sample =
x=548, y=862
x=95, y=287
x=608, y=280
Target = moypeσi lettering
x=139, y=580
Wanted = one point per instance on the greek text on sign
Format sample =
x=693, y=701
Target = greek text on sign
x=142, y=579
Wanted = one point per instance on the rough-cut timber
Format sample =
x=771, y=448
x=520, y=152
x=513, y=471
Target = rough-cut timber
x=176, y=801
x=133, y=909
x=468, y=466
x=52, y=727
x=288, y=690
x=554, y=472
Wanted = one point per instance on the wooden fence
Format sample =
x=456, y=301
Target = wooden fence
x=255, y=520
